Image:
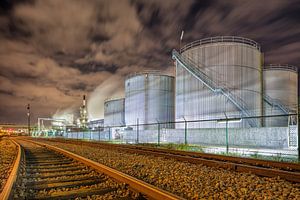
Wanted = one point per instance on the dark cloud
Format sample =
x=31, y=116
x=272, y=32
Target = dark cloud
x=53, y=51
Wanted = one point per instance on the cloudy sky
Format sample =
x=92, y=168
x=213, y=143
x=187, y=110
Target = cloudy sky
x=54, y=51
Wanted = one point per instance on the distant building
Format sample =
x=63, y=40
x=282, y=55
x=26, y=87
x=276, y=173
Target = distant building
x=97, y=124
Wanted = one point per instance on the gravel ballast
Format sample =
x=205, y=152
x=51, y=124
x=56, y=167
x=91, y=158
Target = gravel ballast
x=8, y=152
x=191, y=181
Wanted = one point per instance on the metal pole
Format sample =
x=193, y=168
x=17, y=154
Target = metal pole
x=227, y=146
x=109, y=132
x=298, y=116
x=28, y=118
x=185, y=131
x=158, y=132
x=137, y=131
x=99, y=133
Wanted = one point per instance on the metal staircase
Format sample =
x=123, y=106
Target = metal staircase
x=276, y=103
x=198, y=73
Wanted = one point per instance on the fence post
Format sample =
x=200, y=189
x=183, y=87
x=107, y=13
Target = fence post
x=98, y=133
x=185, y=131
x=109, y=132
x=298, y=115
x=137, y=131
x=158, y=134
x=227, y=146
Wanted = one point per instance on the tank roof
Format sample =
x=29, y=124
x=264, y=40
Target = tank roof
x=113, y=99
x=154, y=72
x=220, y=39
x=285, y=67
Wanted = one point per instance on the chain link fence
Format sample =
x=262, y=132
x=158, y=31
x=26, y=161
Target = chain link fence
x=225, y=136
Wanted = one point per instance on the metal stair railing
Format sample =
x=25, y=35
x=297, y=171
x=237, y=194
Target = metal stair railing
x=207, y=81
x=276, y=103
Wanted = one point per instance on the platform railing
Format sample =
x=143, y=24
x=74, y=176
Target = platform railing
x=219, y=39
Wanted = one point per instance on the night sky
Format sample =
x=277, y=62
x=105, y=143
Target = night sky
x=54, y=51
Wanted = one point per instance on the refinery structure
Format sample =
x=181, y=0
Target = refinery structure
x=216, y=78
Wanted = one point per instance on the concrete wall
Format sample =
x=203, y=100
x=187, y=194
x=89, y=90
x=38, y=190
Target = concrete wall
x=266, y=137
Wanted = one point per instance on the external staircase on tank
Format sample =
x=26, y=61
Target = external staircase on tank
x=200, y=74
x=276, y=103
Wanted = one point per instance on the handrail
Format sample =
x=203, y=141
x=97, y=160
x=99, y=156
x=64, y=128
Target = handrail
x=218, y=39
x=8, y=187
x=148, y=72
x=276, y=103
x=207, y=81
x=281, y=67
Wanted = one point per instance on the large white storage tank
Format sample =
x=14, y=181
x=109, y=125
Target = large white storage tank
x=114, y=112
x=231, y=64
x=149, y=98
x=280, y=84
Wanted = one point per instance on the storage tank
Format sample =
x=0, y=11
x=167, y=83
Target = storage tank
x=224, y=79
x=114, y=112
x=280, y=84
x=149, y=98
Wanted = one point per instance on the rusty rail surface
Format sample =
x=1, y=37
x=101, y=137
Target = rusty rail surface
x=8, y=187
x=140, y=186
x=287, y=171
x=241, y=160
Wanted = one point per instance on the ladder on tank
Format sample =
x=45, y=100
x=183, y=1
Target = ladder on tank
x=207, y=81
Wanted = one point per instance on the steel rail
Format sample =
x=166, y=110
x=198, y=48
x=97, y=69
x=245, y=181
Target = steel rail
x=243, y=160
x=8, y=187
x=249, y=161
x=234, y=166
x=138, y=185
x=287, y=171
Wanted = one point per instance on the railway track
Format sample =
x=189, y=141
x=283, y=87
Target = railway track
x=46, y=172
x=287, y=171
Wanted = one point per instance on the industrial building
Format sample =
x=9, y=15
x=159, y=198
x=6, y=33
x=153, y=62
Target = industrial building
x=216, y=79
x=280, y=84
x=114, y=112
x=96, y=124
x=219, y=77
x=149, y=98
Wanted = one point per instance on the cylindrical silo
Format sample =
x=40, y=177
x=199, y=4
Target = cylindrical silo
x=280, y=85
x=114, y=112
x=149, y=98
x=231, y=70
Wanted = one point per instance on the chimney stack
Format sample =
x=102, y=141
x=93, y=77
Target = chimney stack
x=83, y=102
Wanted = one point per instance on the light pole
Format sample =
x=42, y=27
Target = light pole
x=181, y=37
x=28, y=118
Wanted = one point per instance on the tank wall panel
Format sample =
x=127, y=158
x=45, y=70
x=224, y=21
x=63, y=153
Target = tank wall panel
x=149, y=98
x=114, y=112
x=280, y=85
